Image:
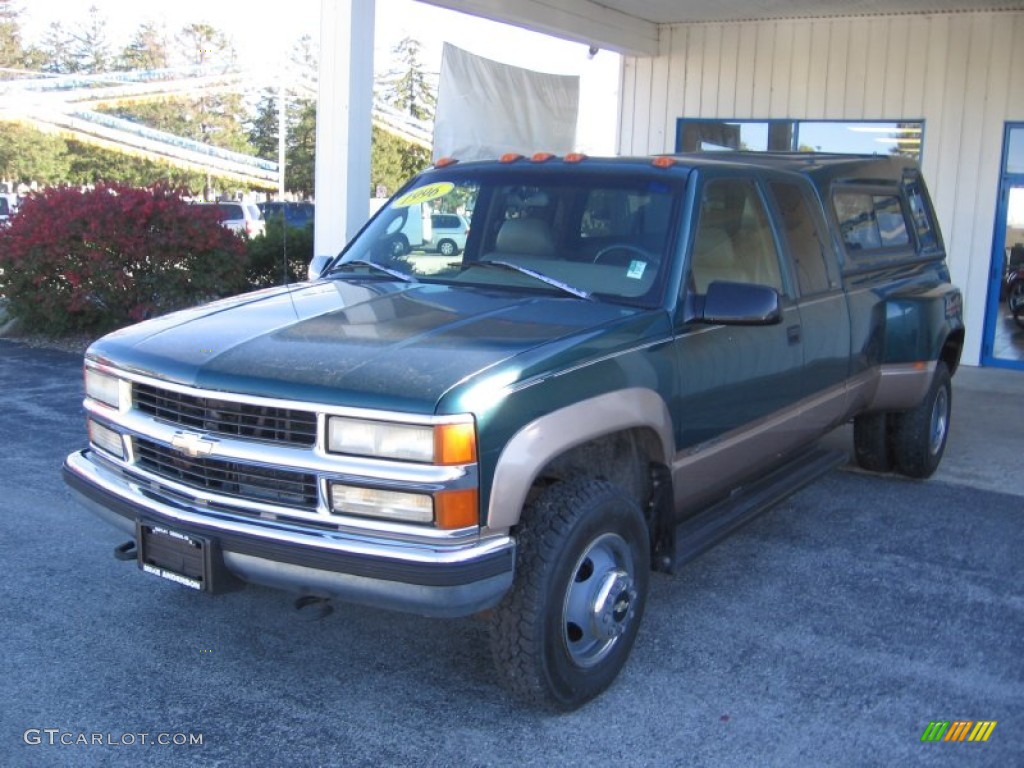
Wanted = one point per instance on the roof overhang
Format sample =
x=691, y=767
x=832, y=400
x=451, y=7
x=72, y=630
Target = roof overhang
x=633, y=27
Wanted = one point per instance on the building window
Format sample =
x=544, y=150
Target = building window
x=848, y=136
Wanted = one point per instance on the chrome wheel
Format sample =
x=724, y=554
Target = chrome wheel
x=600, y=601
x=939, y=422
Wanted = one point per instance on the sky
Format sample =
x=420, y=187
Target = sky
x=264, y=32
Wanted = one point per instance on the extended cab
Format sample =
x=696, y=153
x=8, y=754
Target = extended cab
x=629, y=358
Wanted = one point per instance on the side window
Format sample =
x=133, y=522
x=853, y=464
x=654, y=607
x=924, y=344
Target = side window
x=870, y=221
x=734, y=240
x=921, y=215
x=806, y=245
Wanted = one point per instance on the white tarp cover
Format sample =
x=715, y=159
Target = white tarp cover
x=485, y=109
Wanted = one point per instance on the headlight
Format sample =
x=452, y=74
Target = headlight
x=103, y=387
x=437, y=444
x=106, y=439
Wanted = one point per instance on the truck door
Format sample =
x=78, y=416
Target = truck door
x=739, y=385
x=824, y=312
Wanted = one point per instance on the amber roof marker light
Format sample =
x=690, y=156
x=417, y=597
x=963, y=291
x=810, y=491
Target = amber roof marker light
x=444, y=161
x=510, y=157
x=664, y=161
x=574, y=157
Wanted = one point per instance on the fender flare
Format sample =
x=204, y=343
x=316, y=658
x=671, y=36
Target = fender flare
x=544, y=438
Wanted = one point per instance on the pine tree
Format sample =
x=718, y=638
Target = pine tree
x=148, y=49
x=90, y=47
x=57, y=51
x=408, y=88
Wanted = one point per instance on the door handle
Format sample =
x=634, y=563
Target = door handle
x=793, y=334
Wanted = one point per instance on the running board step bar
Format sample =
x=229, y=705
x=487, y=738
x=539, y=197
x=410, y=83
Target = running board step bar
x=697, y=535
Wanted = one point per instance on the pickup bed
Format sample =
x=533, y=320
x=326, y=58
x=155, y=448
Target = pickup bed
x=629, y=358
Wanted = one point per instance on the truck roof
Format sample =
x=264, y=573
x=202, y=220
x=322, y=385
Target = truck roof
x=819, y=167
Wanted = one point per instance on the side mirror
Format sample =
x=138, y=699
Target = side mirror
x=741, y=304
x=316, y=266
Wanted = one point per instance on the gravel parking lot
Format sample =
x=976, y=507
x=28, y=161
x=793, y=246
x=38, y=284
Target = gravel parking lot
x=830, y=631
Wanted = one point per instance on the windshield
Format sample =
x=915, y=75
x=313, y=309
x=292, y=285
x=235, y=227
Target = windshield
x=589, y=235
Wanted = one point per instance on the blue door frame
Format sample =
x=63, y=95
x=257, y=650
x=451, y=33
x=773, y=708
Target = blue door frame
x=1007, y=180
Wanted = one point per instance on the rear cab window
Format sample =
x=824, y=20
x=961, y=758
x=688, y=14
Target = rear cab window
x=877, y=224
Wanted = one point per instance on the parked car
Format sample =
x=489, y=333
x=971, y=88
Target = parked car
x=8, y=205
x=296, y=214
x=243, y=218
x=632, y=358
x=449, y=233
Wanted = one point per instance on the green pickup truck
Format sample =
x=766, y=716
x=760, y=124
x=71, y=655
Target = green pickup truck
x=629, y=358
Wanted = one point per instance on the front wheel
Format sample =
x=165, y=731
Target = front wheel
x=919, y=435
x=565, y=629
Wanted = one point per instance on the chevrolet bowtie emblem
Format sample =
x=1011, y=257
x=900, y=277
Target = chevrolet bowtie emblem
x=192, y=444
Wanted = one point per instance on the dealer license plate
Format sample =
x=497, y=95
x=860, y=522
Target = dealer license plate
x=179, y=557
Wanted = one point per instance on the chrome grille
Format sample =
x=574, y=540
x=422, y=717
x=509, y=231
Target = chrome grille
x=224, y=417
x=229, y=478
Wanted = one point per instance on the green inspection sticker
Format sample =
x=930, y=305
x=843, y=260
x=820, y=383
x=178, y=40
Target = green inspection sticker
x=636, y=269
x=423, y=194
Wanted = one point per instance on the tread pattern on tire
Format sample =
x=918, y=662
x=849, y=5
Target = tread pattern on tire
x=911, y=430
x=871, y=442
x=517, y=634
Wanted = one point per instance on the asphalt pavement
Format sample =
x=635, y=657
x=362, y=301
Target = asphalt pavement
x=829, y=632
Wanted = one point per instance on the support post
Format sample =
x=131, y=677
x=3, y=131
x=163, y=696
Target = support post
x=343, y=127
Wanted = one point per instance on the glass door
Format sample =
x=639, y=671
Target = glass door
x=1004, y=322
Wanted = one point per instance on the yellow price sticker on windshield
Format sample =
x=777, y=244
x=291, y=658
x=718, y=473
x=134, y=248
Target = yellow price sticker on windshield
x=424, y=194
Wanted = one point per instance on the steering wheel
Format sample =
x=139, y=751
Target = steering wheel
x=627, y=248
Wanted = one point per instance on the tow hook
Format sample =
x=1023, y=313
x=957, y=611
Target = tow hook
x=126, y=551
x=313, y=608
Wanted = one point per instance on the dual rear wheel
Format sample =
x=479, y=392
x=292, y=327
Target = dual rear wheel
x=910, y=442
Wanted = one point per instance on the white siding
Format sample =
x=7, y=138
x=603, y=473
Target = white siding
x=961, y=73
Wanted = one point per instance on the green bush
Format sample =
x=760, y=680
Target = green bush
x=281, y=245
x=74, y=260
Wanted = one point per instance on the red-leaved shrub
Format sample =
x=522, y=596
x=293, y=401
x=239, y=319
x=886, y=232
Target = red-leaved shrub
x=74, y=260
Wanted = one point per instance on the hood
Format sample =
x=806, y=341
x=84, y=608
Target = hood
x=370, y=344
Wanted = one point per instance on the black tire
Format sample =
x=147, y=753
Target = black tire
x=400, y=246
x=565, y=629
x=871, y=442
x=1015, y=301
x=919, y=435
x=447, y=248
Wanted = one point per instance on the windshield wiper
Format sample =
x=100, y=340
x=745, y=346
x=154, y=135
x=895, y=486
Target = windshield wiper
x=373, y=265
x=579, y=293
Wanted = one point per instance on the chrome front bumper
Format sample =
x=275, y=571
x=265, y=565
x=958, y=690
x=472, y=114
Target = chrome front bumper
x=442, y=579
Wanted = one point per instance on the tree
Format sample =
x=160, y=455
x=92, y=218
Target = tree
x=57, y=51
x=90, y=47
x=11, y=53
x=394, y=160
x=29, y=155
x=148, y=49
x=300, y=166
x=408, y=89
x=202, y=45
x=263, y=128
